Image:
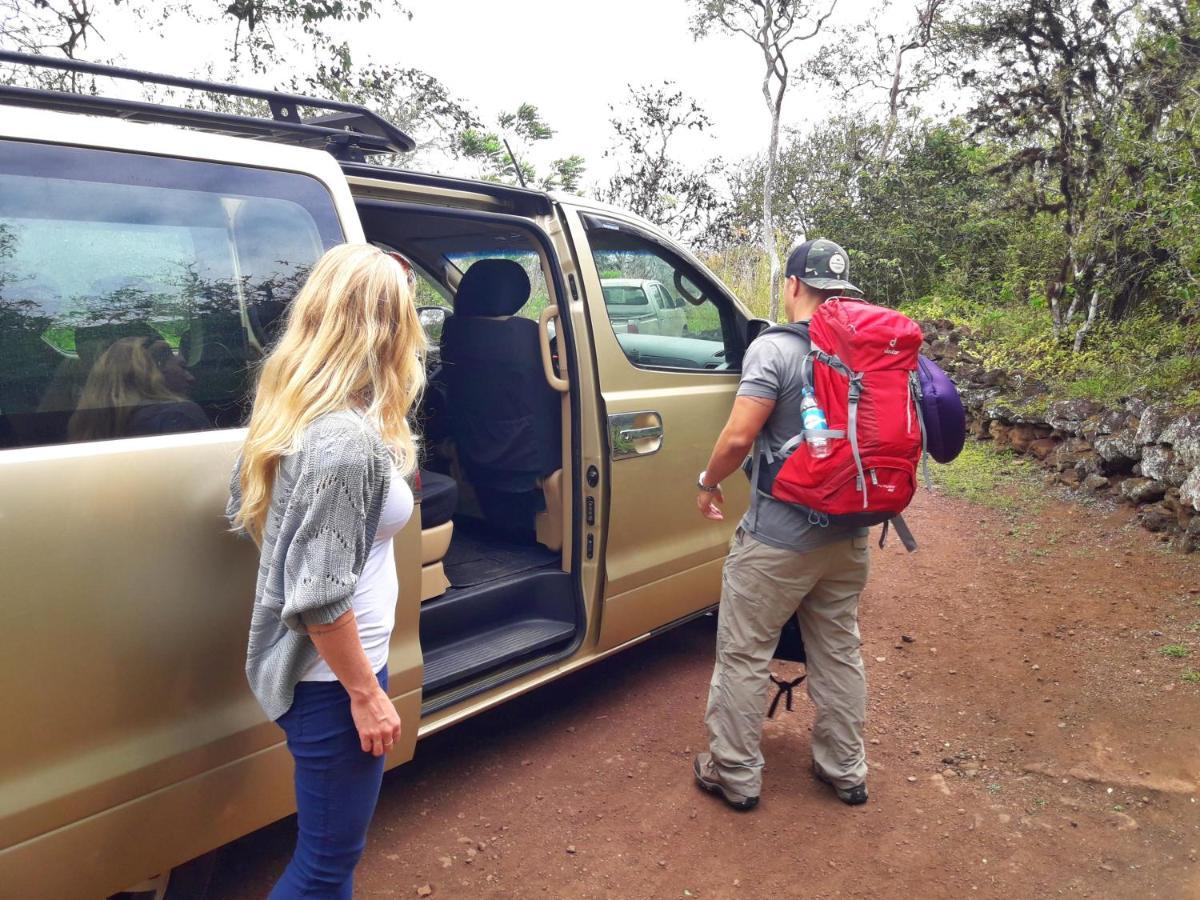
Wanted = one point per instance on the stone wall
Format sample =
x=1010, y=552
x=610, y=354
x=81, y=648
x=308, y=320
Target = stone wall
x=1141, y=453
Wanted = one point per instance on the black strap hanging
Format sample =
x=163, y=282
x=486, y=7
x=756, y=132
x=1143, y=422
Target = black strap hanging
x=784, y=693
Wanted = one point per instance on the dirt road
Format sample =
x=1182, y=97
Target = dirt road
x=1031, y=741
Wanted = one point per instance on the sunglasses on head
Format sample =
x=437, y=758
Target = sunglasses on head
x=409, y=272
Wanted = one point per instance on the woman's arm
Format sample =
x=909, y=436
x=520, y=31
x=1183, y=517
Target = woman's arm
x=374, y=715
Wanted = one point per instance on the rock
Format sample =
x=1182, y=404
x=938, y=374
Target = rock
x=1119, y=451
x=1154, y=419
x=977, y=428
x=1021, y=436
x=1070, y=477
x=1070, y=452
x=1184, y=436
x=1189, y=492
x=1160, y=464
x=999, y=432
x=1157, y=518
x=571, y=849
x=1089, y=463
x=1142, y=490
x=424, y=891
x=908, y=639
x=1069, y=415
x=939, y=782
x=1094, y=483
x=1043, y=447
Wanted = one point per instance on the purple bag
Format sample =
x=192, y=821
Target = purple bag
x=942, y=408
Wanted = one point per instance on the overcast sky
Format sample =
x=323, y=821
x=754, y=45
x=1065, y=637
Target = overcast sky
x=573, y=60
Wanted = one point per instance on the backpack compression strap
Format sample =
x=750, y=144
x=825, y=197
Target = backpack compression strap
x=902, y=531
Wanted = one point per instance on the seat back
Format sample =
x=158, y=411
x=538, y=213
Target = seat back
x=505, y=418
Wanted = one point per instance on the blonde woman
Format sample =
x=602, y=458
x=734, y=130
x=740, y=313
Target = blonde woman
x=138, y=386
x=320, y=487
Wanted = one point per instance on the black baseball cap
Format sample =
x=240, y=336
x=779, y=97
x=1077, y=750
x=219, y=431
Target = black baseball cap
x=821, y=264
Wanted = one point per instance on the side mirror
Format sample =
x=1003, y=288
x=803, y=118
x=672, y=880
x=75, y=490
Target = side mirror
x=433, y=320
x=754, y=328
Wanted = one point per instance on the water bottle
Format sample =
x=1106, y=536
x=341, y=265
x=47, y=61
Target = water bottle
x=813, y=418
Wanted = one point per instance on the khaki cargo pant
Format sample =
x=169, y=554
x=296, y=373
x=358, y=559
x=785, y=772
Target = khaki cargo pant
x=762, y=587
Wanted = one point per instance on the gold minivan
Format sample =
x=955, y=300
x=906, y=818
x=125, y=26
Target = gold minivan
x=145, y=266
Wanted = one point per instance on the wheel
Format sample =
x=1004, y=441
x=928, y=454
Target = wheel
x=185, y=882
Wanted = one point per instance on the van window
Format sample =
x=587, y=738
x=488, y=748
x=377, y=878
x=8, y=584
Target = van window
x=693, y=326
x=137, y=293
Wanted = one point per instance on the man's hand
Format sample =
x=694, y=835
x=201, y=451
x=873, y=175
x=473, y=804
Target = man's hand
x=737, y=438
x=709, y=503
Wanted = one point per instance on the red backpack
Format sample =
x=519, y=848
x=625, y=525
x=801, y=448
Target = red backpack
x=862, y=366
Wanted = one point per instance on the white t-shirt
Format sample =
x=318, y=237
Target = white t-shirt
x=378, y=588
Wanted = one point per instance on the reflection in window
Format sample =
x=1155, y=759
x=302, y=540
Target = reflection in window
x=661, y=315
x=136, y=294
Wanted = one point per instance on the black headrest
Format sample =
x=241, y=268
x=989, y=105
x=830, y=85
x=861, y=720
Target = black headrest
x=492, y=287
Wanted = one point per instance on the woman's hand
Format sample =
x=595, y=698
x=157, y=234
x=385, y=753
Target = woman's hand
x=374, y=715
x=376, y=719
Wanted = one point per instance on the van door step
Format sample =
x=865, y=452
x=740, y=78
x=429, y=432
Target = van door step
x=481, y=652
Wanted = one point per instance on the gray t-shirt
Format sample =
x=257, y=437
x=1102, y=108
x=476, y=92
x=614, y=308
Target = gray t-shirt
x=771, y=370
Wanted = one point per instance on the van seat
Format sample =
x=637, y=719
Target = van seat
x=439, y=498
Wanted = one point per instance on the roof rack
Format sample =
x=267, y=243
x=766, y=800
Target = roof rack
x=349, y=132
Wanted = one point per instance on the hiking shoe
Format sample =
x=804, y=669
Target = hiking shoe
x=708, y=780
x=851, y=796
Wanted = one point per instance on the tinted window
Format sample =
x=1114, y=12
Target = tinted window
x=136, y=293
x=694, y=326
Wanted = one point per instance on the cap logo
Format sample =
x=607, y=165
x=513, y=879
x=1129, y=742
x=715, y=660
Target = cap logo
x=837, y=264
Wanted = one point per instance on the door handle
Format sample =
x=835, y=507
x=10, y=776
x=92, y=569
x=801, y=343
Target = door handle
x=555, y=380
x=635, y=434
x=641, y=434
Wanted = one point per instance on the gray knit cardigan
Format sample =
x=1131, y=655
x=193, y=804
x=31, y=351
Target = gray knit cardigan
x=325, y=509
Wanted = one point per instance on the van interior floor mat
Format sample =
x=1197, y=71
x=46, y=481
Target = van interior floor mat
x=477, y=559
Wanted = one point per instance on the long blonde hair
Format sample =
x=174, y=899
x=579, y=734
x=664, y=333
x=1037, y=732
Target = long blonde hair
x=127, y=375
x=352, y=341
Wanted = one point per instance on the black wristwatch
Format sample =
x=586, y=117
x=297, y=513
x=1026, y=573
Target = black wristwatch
x=704, y=487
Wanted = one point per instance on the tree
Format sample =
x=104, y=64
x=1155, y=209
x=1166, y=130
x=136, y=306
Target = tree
x=259, y=32
x=774, y=26
x=1053, y=92
x=503, y=154
x=649, y=180
x=887, y=72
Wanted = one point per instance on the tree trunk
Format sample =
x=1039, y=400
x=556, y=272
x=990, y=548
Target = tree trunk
x=1093, y=310
x=774, y=106
x=1054, y=295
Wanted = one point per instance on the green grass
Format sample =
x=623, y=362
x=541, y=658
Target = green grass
x=1191, y=677
x=1175, y=651
x=990, y=477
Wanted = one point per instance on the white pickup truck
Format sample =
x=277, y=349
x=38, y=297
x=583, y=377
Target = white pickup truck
x=643, y=306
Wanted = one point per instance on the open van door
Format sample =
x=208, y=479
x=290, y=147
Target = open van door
x=665, y=400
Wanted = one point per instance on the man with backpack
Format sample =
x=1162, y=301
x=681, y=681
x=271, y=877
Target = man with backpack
x=786, y=559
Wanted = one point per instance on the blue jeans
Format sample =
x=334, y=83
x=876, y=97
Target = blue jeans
x=337, y=786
